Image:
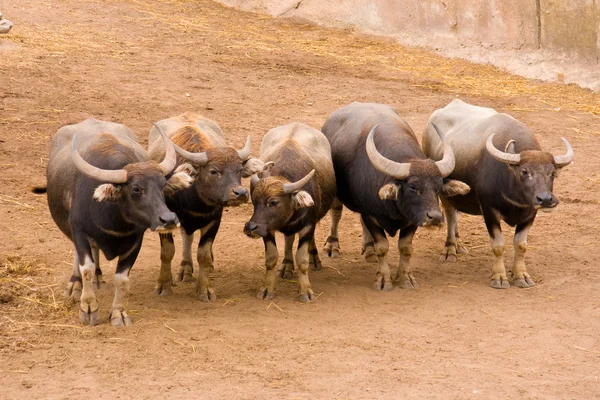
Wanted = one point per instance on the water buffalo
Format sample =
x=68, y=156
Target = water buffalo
x=217, y=171
x=293, y=192
x=382, y=173
x=103, y=193
x=510, y=176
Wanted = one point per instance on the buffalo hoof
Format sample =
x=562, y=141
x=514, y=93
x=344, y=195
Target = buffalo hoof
x=98, y=282
x=87, y=316
x=307, y=297
x=500, y=283
x=264, y=294
x=381, y=284
x=163, y=289
x=524, y=282
x=206, y=295
x=332, y=247
x=120, y=318
x=287, y=269
x=73, y=291
x=185, y=273
x=410, y=283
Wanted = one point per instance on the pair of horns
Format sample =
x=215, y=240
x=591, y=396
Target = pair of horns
x=401, y=170
x=514, y=159
x=201, y=158
x=289, y=188
x=120, y=175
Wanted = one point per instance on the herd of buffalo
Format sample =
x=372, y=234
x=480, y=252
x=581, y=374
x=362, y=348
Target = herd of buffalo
x=104, y=191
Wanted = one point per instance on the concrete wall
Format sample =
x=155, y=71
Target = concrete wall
x=547, y=39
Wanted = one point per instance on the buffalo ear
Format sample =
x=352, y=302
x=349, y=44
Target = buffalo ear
x=108, y=192
x=389, y=191
x=178, y=181
x=302, y=199
x=252, y=166
x=454, y=188
x=186, y=168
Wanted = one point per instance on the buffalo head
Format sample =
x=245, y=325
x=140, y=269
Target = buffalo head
x=534, y=171
x=416, y=185
x=137, y=188
x=276, y=201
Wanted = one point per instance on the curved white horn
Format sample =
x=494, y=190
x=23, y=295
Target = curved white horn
x=168, y=163
x=199, y=159
x=506, y=158
x=446, y=164
x=567, y=158
x=392, y=168
x=245, y=152
x=102, y=175
x=254, y=179
x=295, y=186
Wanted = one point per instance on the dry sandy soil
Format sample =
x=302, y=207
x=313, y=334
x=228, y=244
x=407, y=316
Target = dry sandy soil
x=138, y=61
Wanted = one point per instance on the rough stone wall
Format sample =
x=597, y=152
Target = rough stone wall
x=547, y=39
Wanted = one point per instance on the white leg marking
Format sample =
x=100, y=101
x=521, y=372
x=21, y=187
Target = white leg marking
x=88, y=304
x=118, y=316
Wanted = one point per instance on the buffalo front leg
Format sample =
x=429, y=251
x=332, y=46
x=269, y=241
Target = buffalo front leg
x=165, y=277
x=118, y=315
x=368, y=244
x=383, y=279
x=204, y=289
x=499, y=280
x=98, y=280
x=267, y=290
x=74, y=287
x=287, y=267
x=313, y=256
x=332, y=244
x=521, y=277
x=404, y=276
x=305, y=238
x=186, y=268
x=88, y=304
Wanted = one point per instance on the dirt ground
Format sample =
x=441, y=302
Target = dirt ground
x=138, y=61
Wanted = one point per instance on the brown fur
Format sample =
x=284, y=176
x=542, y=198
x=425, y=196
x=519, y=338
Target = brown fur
x=271, y=186
x=142, y=169
x=107, y=144
x=423, y=168
x=536, y=157
x=191, y=138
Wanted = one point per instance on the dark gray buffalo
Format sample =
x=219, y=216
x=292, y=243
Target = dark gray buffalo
x=293, y=192
x=510, y=176
x=383, y=175
x=217, y=171
x=103, y=193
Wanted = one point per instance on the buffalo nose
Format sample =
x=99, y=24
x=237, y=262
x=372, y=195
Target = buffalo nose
x=435, y=217
x=240, y=192
x=250, y=226
x=169, y=218
x=546, y=199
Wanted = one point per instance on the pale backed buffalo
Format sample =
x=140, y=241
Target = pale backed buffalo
x=293, y=192
x=510, y=176
x=103, y=193
x=217, y=171
x=382, y=173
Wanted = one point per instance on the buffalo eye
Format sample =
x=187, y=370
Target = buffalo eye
x=524, y=173
x=413, y=189
x=213, y=172
x=136, y=191
x=273, y=203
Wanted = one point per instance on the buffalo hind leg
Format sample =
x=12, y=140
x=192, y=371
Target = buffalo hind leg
x=118, y=315
x=287, y=267
x=453, y=244
x=267, y=290
x=186, y=268
x=332, y=244
x=499, y=280
x=204, y=289
x=98, y=281
x=404, y=276
x=305, y=238
x=383, y=279
x=521, y=277
x=368, y=245
x=165, y=276
x=75, y=285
